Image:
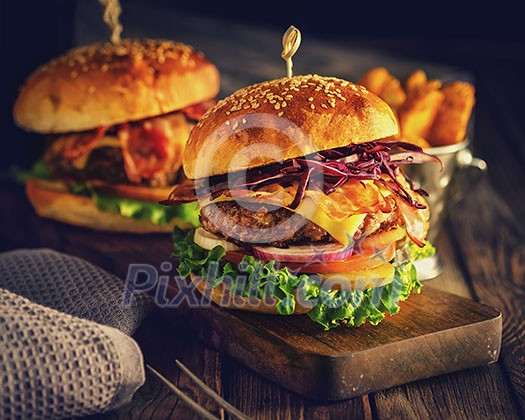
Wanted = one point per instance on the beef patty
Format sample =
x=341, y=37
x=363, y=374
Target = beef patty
x=104, y=164
x=277, y=226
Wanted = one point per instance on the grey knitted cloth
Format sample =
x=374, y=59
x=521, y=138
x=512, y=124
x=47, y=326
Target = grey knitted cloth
x=73, y=286
x=54, y=364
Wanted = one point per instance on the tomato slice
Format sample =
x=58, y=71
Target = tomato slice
x=354, y=263
x=234, y=256
x=318, y=265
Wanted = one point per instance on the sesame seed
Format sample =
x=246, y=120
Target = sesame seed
x=74, y=74
x=277, y=94
x=91, y=89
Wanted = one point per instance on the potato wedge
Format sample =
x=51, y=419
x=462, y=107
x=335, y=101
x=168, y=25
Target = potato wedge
x=416, y=81
x=417, y=114
x=374, y=79
x=450, y=125
x=393, y=93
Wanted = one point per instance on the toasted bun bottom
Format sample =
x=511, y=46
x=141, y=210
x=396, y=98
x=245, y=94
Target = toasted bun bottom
x=52, y=201
x=223, y=297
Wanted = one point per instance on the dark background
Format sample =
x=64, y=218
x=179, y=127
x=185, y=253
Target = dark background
x=474, y=36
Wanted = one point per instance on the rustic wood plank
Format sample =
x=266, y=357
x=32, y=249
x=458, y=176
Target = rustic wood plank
x=492, y=244
x=161, y=344
x=469, y=394
x=261, y=398
x=495, y=260
x=502, y=146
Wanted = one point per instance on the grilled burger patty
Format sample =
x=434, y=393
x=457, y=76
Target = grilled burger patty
x=243, y=224
x=231, y=221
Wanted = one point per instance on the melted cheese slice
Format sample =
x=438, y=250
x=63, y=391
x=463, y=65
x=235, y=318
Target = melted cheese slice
x=342, y=229
x=359, y=280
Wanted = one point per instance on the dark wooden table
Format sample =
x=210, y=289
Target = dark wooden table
x=482, y=246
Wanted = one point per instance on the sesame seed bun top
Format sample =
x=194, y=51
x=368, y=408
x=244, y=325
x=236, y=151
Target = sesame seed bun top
x=108, y=84
x=285, y=118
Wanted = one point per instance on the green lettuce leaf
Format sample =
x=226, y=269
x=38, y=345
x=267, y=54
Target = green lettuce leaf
x=353, y=308
x=139, y=210
x=417, y=253
x=254, y=278
x=135, y=209
x=39, y=170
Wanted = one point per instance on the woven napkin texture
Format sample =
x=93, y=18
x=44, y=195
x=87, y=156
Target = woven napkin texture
x=73, y=286
x=53, y=365
x=64, y=344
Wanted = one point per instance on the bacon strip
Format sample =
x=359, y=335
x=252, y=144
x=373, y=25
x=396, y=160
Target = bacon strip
x=415, y=221
x=75, y=145
x=196, y=111
x=184, y=192
x=144, y=149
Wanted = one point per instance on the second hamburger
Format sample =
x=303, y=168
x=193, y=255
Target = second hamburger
x=116, y=119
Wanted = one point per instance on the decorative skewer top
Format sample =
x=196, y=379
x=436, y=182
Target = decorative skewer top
x=111, y=15
x=291, y=42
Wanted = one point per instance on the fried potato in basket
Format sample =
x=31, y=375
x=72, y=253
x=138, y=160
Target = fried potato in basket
x=450, y=125
x=415, y=81
x=375, y=79
x=417, y=114
x=379, y=81
x=429, y=112
x=393, y=93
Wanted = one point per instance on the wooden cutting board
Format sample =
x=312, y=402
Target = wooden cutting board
x=434, y=333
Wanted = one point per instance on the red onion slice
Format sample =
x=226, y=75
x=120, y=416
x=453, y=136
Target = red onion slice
x=304, y=253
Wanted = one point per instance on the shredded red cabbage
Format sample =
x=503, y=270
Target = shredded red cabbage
x=330, y=169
